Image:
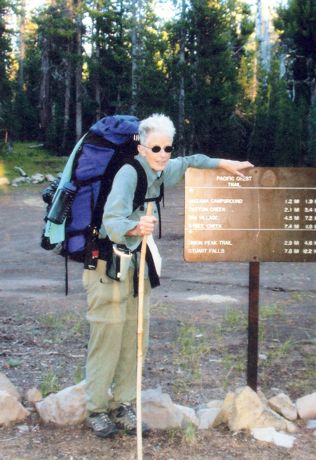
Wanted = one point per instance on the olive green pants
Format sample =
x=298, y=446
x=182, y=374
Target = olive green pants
x=112, y=349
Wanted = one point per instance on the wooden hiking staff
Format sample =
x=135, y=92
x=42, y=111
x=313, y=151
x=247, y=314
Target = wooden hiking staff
x=140, y=335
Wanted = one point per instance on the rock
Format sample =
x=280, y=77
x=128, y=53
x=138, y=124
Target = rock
x=20, y=180
x=67, y=407
x=23, y=428
x=158, y=410
x=311, y=424
x=263, y=356
x=290, y=427
x=207, y=417
x=37, y=178
x=11, y=410
x=245, y=410
x=226, y=410
x=262, y=397
x=21, y=171
x=33, y=395
x=283, y=405
x=189, y=416
x=7, y=385
x=50, y=178
x=35, y=146
x=306, y=406
x=215, y=298
x=215, y=403
x=270, y=434
x=4, y=181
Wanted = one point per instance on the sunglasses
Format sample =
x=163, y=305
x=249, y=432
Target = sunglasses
x=157, y=148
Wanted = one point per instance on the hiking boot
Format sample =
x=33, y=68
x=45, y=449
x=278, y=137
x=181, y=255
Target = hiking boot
x=101, y=424
x=124, y=418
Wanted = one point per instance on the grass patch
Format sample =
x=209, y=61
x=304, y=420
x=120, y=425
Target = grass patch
x=192, y=345
x=31, y=159
x=190, y=434
x=62, y=327
x=271, y=311
x=49, y=384
x=51, y=321
x=78, y=374
x=234, y=320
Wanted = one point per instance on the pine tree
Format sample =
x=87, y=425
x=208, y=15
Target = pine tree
x=57, y=44
x=297, y=24
x=5, y=86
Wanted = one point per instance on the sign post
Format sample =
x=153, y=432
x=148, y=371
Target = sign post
x=267, y=216
x=253, y=325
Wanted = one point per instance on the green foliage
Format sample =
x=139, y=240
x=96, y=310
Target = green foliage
x=279, y=134
x=61, y=328
x=14, y=362
x=234, y=319
x=297, y=23
x=31, y=159
x=190, y=435
x=78, y=374
x=312, y=132
x=24, y=118
x=271, y=311
x=5, y=65
x=51, y=321
x=202, y=63
x=192, y=347
x=49, y=383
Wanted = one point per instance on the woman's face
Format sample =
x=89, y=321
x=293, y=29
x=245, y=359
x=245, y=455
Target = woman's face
x=156, y=160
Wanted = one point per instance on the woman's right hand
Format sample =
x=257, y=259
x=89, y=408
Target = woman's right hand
x=145, y=226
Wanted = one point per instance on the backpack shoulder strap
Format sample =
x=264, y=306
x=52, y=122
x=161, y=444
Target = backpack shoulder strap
x=141, y=190
x=141, y=186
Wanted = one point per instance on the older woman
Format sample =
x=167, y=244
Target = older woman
x=112, y=307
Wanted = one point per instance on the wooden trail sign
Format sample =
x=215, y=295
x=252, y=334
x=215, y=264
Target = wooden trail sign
x=267, y=216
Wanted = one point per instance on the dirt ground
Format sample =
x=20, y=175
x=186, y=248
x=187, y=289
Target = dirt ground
x=197, y=347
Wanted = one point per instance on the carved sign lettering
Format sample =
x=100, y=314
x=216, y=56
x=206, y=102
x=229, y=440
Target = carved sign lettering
x=269, y=215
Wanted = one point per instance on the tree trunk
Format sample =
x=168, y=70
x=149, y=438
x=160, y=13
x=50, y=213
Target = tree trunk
x=78, y=69
x=67, y=76
x=311, y=161
x=22, y=45
x=121, y=43
x=44, y=102
x=181, y=102
x=67, y=98
x=96, y=55
x=136, y=13
x=263, y=33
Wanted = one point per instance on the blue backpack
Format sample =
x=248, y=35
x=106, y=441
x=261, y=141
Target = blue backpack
x=109, y=144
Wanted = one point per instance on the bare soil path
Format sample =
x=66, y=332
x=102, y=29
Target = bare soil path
x=197, y=347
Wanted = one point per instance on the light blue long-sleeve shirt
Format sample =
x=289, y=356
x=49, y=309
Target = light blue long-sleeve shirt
x=119, y=217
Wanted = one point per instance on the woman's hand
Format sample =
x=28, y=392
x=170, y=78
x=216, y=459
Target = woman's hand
x=145, y=226
x=234, y=167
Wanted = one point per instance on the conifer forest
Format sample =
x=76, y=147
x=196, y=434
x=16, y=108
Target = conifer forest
x=238, y=78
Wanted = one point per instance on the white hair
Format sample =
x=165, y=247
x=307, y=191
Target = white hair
x=156, y=123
